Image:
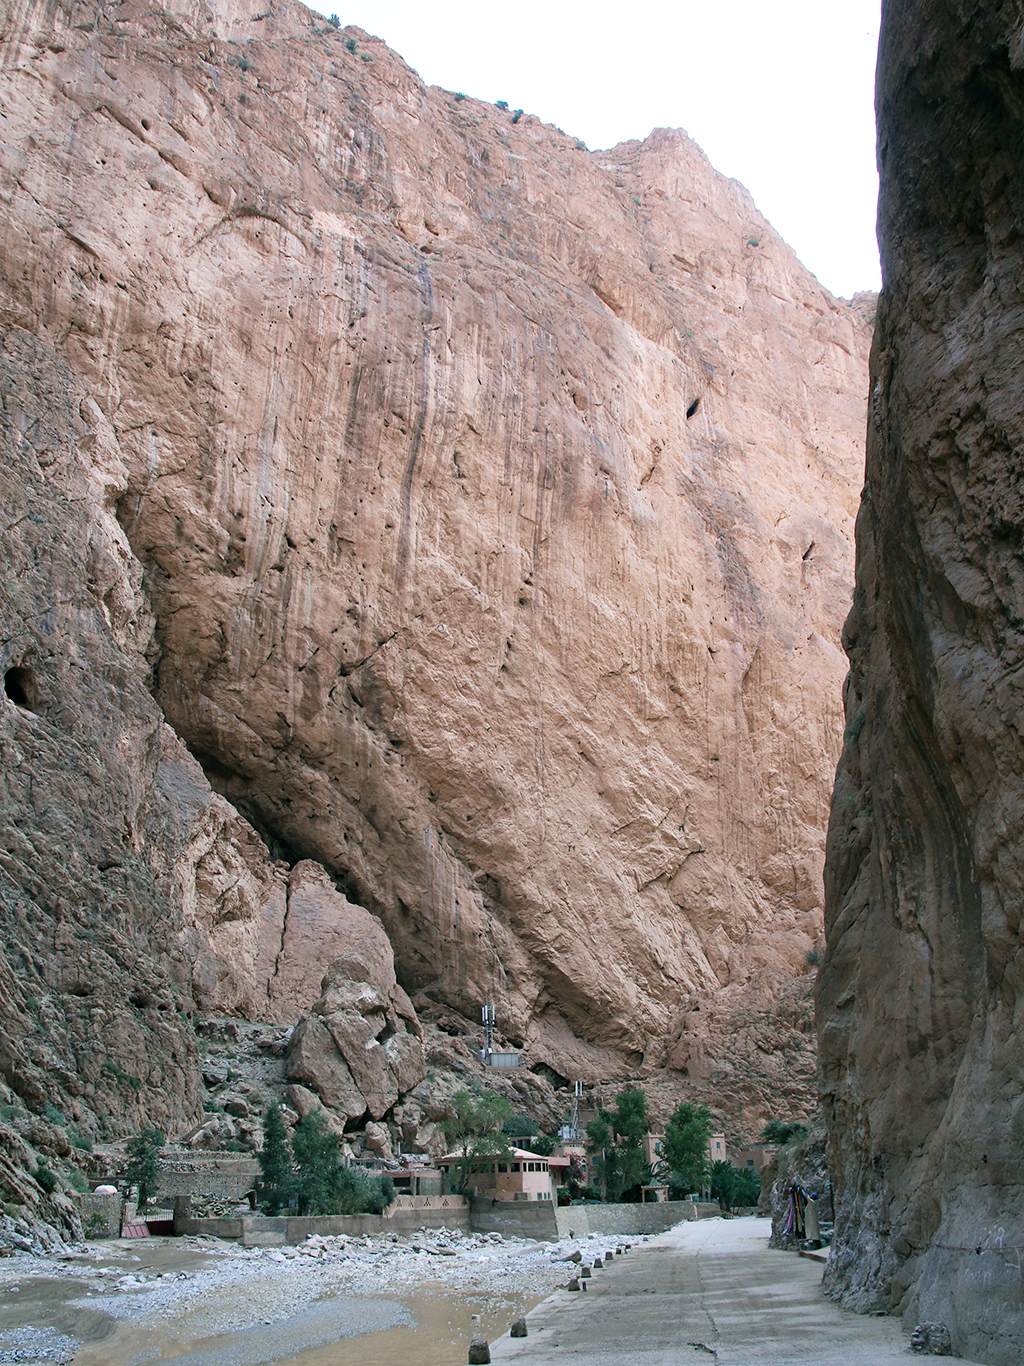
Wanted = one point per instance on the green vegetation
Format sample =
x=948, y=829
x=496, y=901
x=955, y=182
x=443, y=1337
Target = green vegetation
x=685, y=1148
x=734, y=1185
x=275, y=1161
x=543, y=1145
x=517, y=116
x=54, y=1116
x=520, y=1126
x=142, y=1164
x=776, y=1131
x=615, y=1142
x=350, y=43
x=79, y=1140
x=476, y=1127
x=334, y=21
x=501, y=104
x=79, y=1183
x=121, y=1075
x=459, y=96
x=309, y=1171
x=45, y=1178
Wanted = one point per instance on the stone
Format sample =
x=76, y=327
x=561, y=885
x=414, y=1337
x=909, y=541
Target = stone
x=585, y=1273
x=518, y=1329
x=479, y=1351
x=920, y=992
x=574, y=1284
x=238, y=1107
x=378, y=1141
x=931, y=1338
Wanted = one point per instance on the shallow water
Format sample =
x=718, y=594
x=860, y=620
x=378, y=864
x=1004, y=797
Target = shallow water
x=347, y=1330
x=46, y=1317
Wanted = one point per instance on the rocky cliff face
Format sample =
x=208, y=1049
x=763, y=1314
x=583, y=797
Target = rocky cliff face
x=494, y=500
x=919, y=998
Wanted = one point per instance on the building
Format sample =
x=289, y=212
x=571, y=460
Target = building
x=756, y=1155
x=526, y=1177
x=716, y=1148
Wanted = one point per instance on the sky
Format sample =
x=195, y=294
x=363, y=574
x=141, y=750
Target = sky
x=780, y=96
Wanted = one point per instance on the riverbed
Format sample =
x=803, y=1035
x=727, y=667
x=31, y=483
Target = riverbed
x=348, y=1301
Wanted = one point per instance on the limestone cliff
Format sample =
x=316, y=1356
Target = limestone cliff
x=920, y=994
x=495, y=504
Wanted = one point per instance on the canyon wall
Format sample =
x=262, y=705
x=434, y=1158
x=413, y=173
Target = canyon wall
x=494, y=505
x=921, y=992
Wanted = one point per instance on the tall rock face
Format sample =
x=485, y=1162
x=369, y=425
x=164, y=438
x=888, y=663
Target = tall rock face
x=495, y=500
x=920, y=995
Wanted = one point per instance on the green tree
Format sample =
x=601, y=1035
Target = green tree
x=320, y=1179
x=685, y=1146
x=475, y=1127
x=748, y=1186
x=615, y=1144
x=142, y=1164
x=723, y=1183
x=780, y=1132
x=543, y=1145
x=275, y=1159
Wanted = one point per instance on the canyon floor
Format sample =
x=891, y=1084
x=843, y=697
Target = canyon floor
x=703, y=1290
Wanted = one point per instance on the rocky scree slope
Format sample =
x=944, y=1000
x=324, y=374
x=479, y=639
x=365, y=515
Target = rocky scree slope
x=494, y=503
x=920, y=995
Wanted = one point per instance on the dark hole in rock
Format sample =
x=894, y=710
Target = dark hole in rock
x=18, y=686
x=693, y=407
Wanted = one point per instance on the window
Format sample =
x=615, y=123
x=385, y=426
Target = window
x=515, y=1166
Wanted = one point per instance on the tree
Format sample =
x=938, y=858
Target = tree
x=723, y=1183
x=543, y=1145
x=475, y=1126
x=685, y=1146
x=575, y=1177
x=142, y=1164
x=615, y=1142
x=275, y=1159
x=748, y=1186
x=781, y=1132
x=319, y=1182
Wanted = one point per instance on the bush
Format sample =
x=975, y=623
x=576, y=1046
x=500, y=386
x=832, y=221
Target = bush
x=79, y=1183
x=501, y=104
x=776, y=1131
x=543, y=1145
x=520, y=1126
x=46, y=1178
x=334, y=21
x=80, y=1141
x=517, y=116
x=54, y=1116
x=350, y=43
x=459, y=96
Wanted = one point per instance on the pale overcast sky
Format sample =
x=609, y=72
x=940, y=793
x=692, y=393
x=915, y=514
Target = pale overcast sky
x=778, y=95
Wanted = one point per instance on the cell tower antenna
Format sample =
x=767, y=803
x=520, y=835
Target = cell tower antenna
x=487, y=1015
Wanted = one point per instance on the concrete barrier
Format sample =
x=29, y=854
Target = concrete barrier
x=652, y=1217
x=101, y=1214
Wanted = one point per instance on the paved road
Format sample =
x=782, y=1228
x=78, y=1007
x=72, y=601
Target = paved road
x=708, y=1293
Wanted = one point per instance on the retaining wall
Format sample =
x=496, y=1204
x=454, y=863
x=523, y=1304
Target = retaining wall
x=259, y=1231
x=651, y=1217
x=514, y=1218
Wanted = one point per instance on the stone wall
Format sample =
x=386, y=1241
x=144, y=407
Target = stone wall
x=515, y=1218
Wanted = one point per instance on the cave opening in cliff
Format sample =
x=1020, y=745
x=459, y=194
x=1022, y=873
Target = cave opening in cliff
x=693, y=408
x=19, y=687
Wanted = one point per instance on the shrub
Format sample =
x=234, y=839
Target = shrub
x=520, y=1126
x=46, y=1178
x=776, y=1131
x=501, y=104
x=350, y=43
x=54, y=1116
x=459, y=96
x=334, y=21
x=80, y=1141
x=79, y=1183
x=853, y=730
x=517, y=116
